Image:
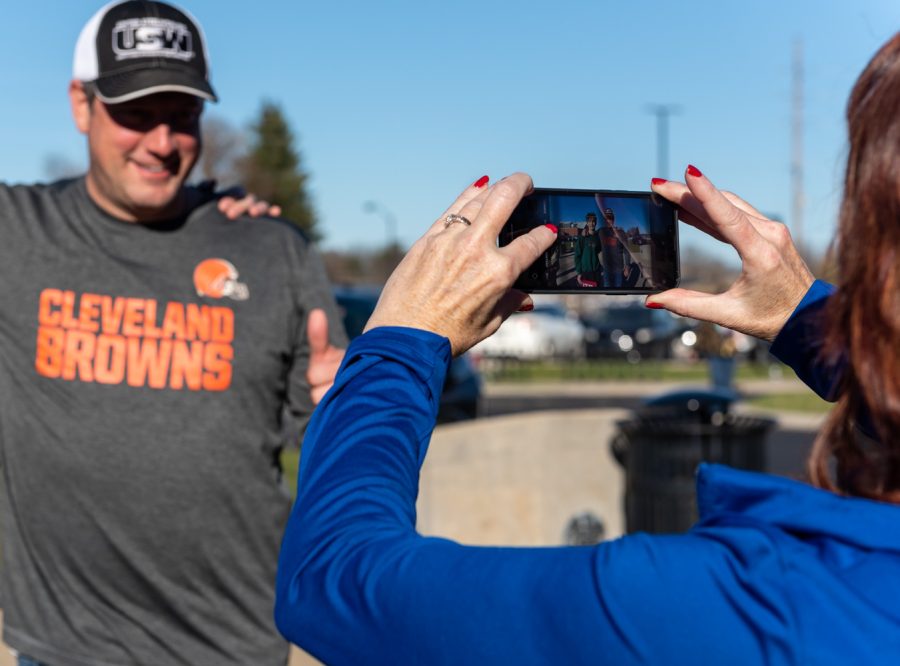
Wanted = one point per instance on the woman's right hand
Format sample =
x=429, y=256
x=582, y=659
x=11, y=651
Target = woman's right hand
x=455, y=281
x=773, y=277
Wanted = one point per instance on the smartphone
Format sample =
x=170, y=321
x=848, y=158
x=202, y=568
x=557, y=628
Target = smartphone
x=609, y=242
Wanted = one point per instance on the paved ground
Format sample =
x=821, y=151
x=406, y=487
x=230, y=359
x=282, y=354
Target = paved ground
x=519, y=479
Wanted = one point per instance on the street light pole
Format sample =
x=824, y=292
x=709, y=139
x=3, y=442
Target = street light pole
x=662, y=113
x=390, y=222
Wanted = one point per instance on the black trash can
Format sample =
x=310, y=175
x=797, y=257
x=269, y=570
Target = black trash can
x=661, y=446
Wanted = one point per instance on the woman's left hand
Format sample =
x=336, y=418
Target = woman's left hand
x=773, y=277
x=455, y=281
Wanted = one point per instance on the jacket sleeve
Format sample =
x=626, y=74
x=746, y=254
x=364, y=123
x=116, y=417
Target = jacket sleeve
x=799, y=343
x=357, y=584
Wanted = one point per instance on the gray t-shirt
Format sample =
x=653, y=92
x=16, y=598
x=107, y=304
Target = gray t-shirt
x=148, y=377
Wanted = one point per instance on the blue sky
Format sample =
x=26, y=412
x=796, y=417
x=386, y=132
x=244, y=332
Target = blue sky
x=630, y=211
x=405, y=103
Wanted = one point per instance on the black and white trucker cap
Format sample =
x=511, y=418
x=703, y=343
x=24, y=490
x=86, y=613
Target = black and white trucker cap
x=132, y=48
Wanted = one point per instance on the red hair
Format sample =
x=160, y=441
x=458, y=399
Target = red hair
x=864, y=316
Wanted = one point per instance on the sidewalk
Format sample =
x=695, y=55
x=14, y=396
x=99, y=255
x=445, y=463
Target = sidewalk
x=517, y=479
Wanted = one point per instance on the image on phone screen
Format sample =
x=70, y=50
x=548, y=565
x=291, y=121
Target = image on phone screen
x=608, y=242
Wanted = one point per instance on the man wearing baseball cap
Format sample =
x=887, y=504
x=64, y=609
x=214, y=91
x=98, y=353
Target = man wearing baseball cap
x=155, y=356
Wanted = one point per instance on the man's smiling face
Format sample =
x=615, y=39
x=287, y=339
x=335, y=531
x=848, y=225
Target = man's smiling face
x=141, y=153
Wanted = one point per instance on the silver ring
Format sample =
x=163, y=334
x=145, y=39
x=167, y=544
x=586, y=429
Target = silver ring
x=453, y=217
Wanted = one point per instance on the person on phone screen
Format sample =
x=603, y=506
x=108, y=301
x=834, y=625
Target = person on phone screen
x=631, y=275
x=587, y=254
x=155, y=357
x=775, y=572
x=613, y=250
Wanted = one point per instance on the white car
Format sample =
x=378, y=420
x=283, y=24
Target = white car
x=545, y=332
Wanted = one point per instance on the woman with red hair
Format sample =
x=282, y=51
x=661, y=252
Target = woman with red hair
x=775, y=571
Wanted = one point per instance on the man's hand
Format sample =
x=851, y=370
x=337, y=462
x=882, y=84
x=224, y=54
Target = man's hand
x=773, y=277
x=233, y=207
x=324, y=358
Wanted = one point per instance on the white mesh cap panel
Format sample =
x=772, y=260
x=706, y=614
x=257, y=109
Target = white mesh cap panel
x=85, y=66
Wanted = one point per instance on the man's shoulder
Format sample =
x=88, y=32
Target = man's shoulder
x=26, y=195
x=279, y=229
x=41, y=187
x=205, y=196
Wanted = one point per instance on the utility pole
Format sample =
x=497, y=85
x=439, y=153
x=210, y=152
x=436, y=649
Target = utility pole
x=390, y=222
x=798, y=199
x=662, y=113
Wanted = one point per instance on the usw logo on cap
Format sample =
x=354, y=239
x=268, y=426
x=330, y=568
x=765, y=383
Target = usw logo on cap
x=133, y=48
x=152, y=37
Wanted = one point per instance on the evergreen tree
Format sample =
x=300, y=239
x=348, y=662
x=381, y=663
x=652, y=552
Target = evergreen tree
x=272, y=170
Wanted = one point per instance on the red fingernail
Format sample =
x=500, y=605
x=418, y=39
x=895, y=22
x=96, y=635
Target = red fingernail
x=658, y=181
x=481, y=182
x=654, y=306
x=552, y=227
x=693, y=171
x=527, y=307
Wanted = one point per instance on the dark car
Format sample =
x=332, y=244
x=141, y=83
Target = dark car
x=632, y=331
x=462, y=387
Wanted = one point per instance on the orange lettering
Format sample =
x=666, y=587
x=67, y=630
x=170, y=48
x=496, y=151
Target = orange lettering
x=49, y=298
x=134, y=316
x=223, y=324
x=217, y=359
x=187, y=365
x=48, y=360
x=173, y=322
x=89, y=312
x=111, y=312
x=78, y=356
x=114, y=340
x=148, y=362
x=151, y=330
x=109, y=361
x=197, y=322
x=68, y=310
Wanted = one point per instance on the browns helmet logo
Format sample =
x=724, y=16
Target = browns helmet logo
x=217, y=278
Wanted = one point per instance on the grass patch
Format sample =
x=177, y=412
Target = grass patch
x=612, y=370
x=290, y=460
x=793, y=402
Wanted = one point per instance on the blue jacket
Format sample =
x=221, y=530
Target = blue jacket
x=799, y=343
x=775, y=572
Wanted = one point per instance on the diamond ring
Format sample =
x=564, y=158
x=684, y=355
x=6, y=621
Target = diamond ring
x=453, y=218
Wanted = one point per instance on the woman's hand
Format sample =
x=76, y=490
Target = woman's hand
x=237, y=204
x=773, y=278
x=455, y=281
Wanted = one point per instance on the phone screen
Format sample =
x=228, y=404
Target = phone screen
x=609, y=242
